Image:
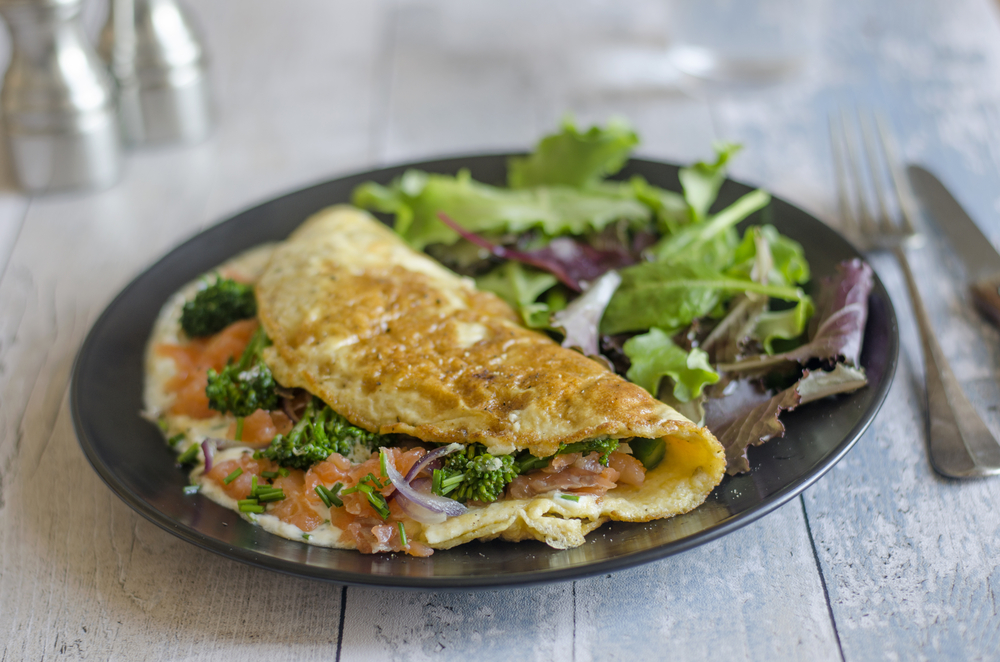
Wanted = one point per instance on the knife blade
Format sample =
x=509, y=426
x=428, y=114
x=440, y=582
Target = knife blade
x=982, y=262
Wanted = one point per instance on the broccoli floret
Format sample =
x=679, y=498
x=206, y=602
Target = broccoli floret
x=217, y=306
x=525, y=461
x=603, y=446
x=246, y=386
x=474, y=474
x=320, y=432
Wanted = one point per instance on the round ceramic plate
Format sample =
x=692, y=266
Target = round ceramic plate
x=130, y=454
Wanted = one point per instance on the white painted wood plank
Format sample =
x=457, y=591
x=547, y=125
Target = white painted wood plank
x=81, y=576
x=909, y=557
x=753, y=595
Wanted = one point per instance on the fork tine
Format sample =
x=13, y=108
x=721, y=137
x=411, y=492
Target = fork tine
x=855, y=171
x=847, y=212
x=903, y=193
x=886, y=225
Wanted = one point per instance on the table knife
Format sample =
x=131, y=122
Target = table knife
x=982, y=262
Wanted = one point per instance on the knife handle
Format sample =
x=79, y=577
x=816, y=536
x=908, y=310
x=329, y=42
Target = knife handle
x=986, y=296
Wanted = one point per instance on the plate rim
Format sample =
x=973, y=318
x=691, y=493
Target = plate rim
x=464, y=582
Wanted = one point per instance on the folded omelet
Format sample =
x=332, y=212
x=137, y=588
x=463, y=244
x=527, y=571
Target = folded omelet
x=397, y=343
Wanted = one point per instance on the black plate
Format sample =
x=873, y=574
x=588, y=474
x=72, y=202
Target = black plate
x=132, y=458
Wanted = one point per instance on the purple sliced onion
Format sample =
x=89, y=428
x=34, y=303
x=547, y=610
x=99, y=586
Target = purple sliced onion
x=208, y=448
x=433, y=456
x=423, y=507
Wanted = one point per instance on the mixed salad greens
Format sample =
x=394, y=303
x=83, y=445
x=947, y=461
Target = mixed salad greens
x=660, y=285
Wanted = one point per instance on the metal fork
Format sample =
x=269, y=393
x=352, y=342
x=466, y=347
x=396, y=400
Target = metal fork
x=960, y=444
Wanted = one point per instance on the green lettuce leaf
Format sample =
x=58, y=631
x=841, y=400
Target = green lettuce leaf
x=417, y=197
x=671, y=296
x=520, y=286
x=702, y=180
x=655, y=356
x=789, y=265
x=711, y=242
x=571, y=158
x=783, y=324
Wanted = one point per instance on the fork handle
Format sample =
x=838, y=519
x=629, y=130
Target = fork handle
x=961, y=446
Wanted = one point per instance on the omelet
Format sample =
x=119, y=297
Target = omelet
x=399, y=345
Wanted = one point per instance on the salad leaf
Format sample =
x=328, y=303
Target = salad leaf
x=702, y=180
x=839, y=326
x=573, y=262
x=571, y=158
x=713, y=241
x=752, y=417
x=788, y=260
x=520, y=286
x=671, y=296
x=783, y=324
x=655, y=356
x=669, y=207
x=581, y=319
x=417, y=197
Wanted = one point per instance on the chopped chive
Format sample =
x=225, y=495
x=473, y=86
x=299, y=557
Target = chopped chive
x=188, y=456
x=239, y=429
x=379, y=503
x=251, y=509
x=332, y=493
x=269, y=474
x=191, y=489
x=253, y=486
x=569, y=497
x=272, y=496
x=402, y=535
x=381, y=459
x=176, y=439
x=350, y=490
x=284, y=472
x=437, y=477
x=247, y=502
x=257, y=455
x=162, y=424
x=306, y=536
x=321, y=492
x=237, y=472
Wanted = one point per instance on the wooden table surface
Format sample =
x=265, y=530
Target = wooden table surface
x=881, y=559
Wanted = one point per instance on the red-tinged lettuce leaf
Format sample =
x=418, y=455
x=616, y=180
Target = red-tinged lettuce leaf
x=571, y=261
x=581, y=319
x=842, y=306
x=752, y=417
x=839, y=325
x=760, y=424
x=572, y=158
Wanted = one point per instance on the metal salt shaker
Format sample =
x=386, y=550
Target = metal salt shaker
x=160, y=67
x=58, y=102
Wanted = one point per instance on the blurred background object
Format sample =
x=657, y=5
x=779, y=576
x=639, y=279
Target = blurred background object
x=58, y=102
x=158, y=61
x=742, y=40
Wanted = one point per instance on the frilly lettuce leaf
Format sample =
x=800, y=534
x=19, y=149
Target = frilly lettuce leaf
x=655, y=356
x=417, y=197
x=571, y=158
x=520, y=286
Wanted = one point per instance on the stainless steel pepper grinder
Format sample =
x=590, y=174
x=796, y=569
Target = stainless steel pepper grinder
x=58, y=103
x=158, y=61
